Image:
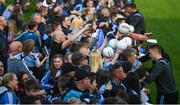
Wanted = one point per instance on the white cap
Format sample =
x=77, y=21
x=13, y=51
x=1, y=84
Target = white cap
x=153, y=41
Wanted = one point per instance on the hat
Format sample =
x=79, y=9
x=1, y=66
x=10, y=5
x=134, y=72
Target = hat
x=67, y=67
x=152, y=41
x=81, y=74
x=119, y=16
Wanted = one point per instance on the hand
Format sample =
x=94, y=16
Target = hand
x=119, y=51
x=108, y=86
x=146, y=90
x=46, y=57
x=87, y=26
x=41, y=93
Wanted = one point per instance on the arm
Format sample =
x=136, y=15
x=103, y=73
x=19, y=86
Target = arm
x=73, y=37
x=42, y=62
x=44, y=82
x=103, y=44
x=116, y=56
x=155, y=73
x=136, y=20
x=92, y=43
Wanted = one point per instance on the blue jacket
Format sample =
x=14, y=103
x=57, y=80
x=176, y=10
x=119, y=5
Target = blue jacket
x=7, y=96
x=30, y=35
x=72, y=94
x=45, y=80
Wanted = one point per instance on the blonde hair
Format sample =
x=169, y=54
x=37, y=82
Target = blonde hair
x=95, y=60
x=7, y=77
x=13, y=27
x=76, y=23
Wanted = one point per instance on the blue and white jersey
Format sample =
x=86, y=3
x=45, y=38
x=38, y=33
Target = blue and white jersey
x=7, y=96
x=31, y=60
x=45, y=80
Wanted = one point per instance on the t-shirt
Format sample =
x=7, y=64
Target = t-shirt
x=30, y=60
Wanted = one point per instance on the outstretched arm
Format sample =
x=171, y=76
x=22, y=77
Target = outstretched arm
x=73, y=37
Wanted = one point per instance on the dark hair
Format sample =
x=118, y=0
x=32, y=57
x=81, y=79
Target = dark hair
x=55, y=25
x=30, y=99
x=31, y=84
x=130, y=4
x=127, y=66
x=64, y=82
x=135, y=85
x=155, y=47
x=132, y=84
x=141, y=72
x=113, y=68
x=114, y=100
x=31, y=25
x=86, y=67
x=102, y=77
x=118, y=92
x=19, y=76
x=62, y=19
x=76, y=58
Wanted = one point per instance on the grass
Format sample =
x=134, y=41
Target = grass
x=26, y=15
x=163, y=20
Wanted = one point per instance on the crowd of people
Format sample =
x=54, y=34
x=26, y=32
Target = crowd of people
x=80, y=52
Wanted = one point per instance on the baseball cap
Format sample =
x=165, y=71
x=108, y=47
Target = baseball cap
x=152, y=41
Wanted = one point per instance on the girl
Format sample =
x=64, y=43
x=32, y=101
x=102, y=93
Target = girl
x=48, y=81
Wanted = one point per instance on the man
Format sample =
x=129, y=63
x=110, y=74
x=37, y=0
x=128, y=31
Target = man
x=15, y=48
x=10, y=84
x=79, y=59
x=82, y=84
x=3, y=42
x=117, y=75
x=135, y=18
x=32, y=88
x=130, y=56
x=31, y=34
x=65, y=23
x=163, y=76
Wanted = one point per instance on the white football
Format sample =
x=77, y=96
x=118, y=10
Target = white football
x=131, y=28
x=124, y=28
x=128, y=41
x=122, y=45
x=113, y=43
x=108, y=52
